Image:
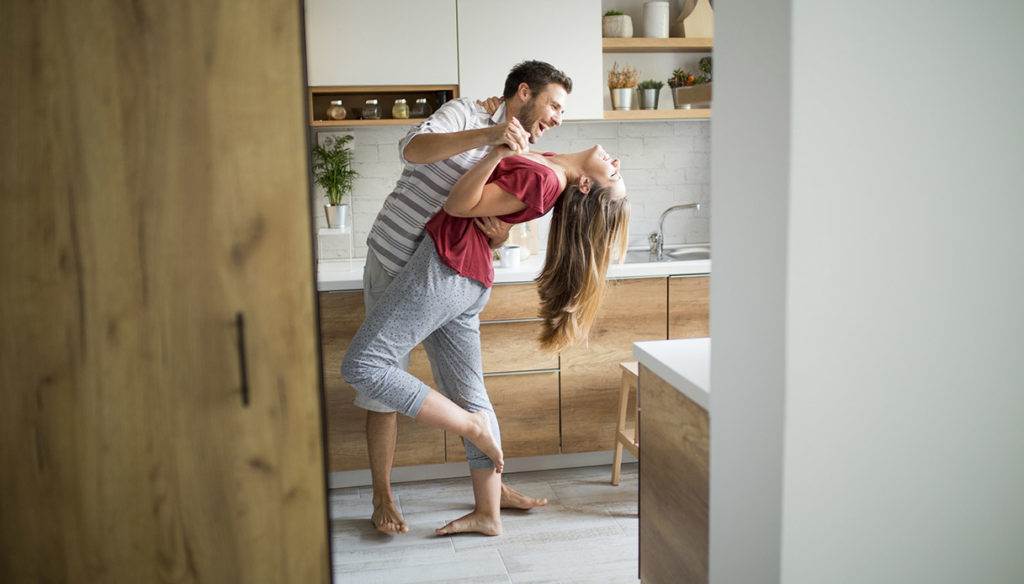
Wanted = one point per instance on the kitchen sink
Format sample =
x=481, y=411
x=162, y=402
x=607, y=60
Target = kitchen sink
x=677, y=254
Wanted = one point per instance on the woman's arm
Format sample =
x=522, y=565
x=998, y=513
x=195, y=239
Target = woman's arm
x=473, y=197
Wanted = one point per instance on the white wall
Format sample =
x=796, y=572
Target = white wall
x=749, y=173
x=663, y=163
x=903, y=362
x=905, y=395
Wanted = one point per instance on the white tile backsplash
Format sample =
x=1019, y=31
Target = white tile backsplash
x=663, y=163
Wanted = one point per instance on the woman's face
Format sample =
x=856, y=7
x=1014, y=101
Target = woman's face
x=603, y=169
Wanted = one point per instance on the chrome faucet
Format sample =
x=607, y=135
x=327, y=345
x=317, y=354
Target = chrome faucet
x=657, y=238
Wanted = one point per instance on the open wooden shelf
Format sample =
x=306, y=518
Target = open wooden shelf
x=358, y=122
x=355, y=95
x=648, y=45
x=659, y=114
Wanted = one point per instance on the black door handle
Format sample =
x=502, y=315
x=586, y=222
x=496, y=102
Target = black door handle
x=243, y=370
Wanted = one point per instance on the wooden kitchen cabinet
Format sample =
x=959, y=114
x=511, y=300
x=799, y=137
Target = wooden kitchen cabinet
x=633, y=310
x=384, y=42
x=527, y=408
x=566, y=34
x=341, y=315
x=688, y=307
x=674, y=484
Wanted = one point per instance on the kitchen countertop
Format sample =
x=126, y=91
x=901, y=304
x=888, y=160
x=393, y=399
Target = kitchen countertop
x=341, y=275
x=684, y=363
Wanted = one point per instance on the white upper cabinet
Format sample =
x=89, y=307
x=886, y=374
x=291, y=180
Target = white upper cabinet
x=494, y=35
x=383, y=42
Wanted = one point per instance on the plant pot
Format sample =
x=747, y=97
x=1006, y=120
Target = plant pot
x=692, y=96
x=617, y=27
x=622, y=98
x=649, y=98
x=337, y=216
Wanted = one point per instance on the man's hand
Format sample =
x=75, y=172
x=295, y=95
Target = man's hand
x=512, y=135
x=491, y=104
x=495, y=229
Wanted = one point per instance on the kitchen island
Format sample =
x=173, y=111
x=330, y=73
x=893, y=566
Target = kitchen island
x=674, y=397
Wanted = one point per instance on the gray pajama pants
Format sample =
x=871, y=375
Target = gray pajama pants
x=431, y=304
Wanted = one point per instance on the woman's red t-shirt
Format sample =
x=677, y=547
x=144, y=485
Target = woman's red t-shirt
x=463, y=247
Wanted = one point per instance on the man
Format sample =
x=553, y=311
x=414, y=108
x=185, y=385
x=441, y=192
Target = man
x=436, y=154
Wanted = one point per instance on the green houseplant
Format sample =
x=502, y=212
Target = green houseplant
x=332, y=171
x=689, y=88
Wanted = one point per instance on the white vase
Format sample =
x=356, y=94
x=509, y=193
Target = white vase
x=656, y=19
x=617, y=27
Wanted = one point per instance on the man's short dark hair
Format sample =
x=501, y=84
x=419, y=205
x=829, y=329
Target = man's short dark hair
x=536, y=74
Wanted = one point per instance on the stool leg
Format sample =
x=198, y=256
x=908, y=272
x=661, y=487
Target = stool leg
x=619, y=429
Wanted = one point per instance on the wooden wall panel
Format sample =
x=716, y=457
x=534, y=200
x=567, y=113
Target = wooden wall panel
x=154, y=185
x=634, y=310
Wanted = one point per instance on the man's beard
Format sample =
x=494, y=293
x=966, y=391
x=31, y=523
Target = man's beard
x=528, y=116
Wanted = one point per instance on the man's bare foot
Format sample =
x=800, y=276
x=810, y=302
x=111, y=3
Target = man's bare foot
x=386, y=517
x=484, y=440
x=513, y=499
x=474, y=522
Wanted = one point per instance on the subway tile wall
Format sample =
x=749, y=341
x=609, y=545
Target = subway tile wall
x=663, y=163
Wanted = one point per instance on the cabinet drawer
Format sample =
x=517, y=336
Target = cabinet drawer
x=688, y=306
x=512, y=301
x=527, y=410
x=341, y=315
x=513, y=346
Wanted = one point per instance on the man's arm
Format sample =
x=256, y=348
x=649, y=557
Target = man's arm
x=495, y=229
x=432, y=147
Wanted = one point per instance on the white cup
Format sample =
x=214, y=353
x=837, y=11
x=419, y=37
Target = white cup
x=510, y=255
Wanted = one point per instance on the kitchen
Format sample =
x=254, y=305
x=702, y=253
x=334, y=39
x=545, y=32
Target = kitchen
x=175, y=304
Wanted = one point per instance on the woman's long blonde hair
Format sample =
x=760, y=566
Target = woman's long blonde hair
x=586, y=229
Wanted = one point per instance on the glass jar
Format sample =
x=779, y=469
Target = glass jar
x=400, y=110
x=337, y=110
x=420, y=109
x=371, y=110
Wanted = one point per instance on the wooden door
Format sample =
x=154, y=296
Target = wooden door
x=633, y=310
x=154, y=187
x=688, y=306
x=341, y=315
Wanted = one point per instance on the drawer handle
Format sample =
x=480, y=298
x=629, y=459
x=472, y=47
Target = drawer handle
x=242, y=369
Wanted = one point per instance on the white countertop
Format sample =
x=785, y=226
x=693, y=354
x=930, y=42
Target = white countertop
x=684, y=363
x=341, y=275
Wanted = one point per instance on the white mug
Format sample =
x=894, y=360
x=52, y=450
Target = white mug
x=510, y=256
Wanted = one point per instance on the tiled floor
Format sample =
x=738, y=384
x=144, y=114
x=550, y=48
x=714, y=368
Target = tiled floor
x=586, y=534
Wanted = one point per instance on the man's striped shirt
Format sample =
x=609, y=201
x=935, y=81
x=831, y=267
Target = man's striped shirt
x=422, y=189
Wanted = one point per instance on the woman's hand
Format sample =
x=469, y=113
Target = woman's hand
x=495, y=229
x=512, y=135
x=490, y=105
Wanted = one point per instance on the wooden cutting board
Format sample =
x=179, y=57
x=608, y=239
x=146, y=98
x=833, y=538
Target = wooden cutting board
x=701, y=22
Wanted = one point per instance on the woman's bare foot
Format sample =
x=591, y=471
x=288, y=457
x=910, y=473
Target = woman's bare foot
x=484, y=440
x=513, y=499
x=387, y=518
x=475, y=522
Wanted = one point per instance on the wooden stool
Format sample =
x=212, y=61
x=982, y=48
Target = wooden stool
x=629, y=439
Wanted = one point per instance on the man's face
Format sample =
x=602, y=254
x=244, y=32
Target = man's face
x=543, y=110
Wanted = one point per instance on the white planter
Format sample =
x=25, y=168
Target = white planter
x=656, y=19
x=617, y=27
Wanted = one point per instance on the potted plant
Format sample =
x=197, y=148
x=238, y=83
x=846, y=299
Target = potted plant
x=332, y=171
x=622, y=83
x=616, y=25
x=690, y=89
x=649, y=91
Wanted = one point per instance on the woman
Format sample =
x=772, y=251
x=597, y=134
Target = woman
x=436, y=299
